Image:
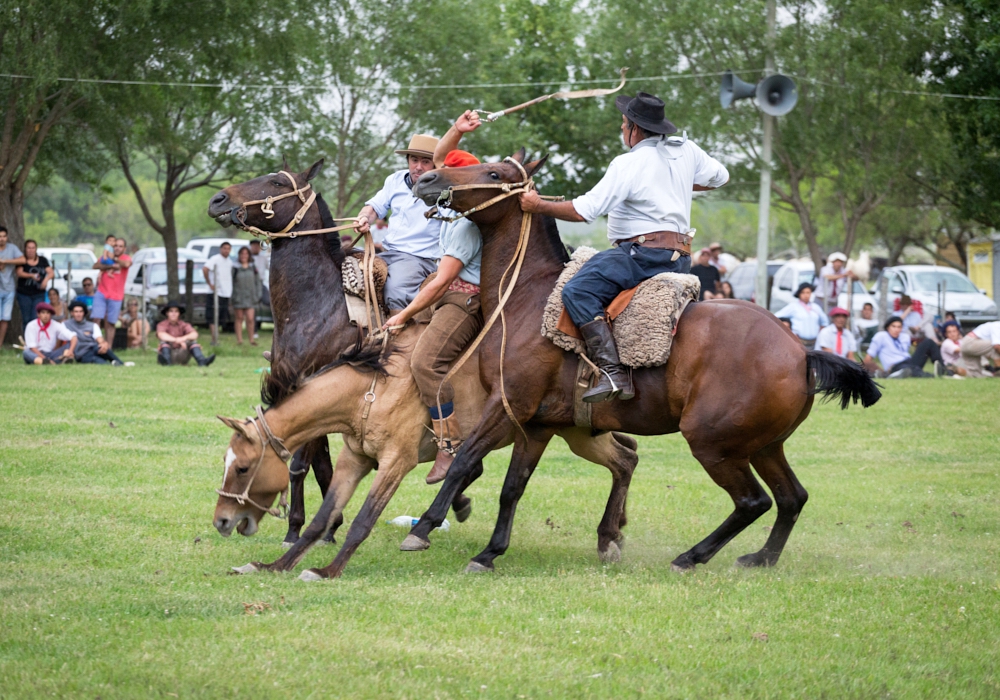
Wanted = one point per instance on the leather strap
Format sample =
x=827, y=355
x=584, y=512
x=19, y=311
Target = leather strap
x=668, y=240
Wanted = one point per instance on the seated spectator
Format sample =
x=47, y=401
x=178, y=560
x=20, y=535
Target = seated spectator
x=55, y=301
x=911, y=313
x=867, y=324
x=175, y=334
x=91, y=347
x=41, y=336
x=805, y=315
x=87, y=295
x=837, y=337
x=707, y=274
x=725, y=291
x=136, y=327
x=891, y=347
x=951, y=353
x=982, y=342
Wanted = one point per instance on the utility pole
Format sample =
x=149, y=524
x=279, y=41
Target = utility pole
x=764, y=207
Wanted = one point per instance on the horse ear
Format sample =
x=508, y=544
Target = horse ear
x=314, y=169
x=284, y=162
x=534, y=166
x=236, y=425
x=519, y=156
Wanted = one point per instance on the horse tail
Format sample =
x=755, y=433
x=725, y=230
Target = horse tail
x=837, y=377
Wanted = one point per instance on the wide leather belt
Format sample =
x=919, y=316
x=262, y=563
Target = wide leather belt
x=669, y=240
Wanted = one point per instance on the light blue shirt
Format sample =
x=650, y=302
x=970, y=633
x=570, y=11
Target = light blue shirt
x=806, y=319
x=461, y=240
x=890, y=351
x=409, y=230
x=7, y=281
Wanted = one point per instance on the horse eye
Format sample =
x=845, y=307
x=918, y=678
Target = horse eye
x=277, y=183
x=242, y=470
x=495, y=176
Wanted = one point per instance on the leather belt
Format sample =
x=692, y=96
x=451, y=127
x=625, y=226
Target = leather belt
x=669, y=240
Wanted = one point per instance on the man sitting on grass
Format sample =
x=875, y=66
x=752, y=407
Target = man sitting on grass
x=837, y=337
x=983, y=341
x=91, y=347
x=41, y=336
x=176, y=335
x=892, y=348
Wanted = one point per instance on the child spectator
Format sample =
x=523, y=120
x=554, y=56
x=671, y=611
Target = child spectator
x=41, y=336
x=108, y=254
x=805, y=315
x=91, y=347
x=175, y=335
x=837, y=337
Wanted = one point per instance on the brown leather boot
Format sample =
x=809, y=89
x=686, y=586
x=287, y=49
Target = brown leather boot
x=614, y=381
x=447, y=446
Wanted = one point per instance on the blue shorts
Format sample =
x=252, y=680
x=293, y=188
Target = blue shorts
x=6, y=305
x=105, y=308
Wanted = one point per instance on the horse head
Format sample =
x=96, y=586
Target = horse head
x=254, y=475
x=468, y=187
x=285, y=189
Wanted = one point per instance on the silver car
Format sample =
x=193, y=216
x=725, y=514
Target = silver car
x=939, y=288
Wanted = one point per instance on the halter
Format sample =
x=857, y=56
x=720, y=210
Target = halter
x=267, y=438
x=509, y=190
x=239, y=214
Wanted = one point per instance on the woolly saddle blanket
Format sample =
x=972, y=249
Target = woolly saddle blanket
x=354, y=285
x=644, y=318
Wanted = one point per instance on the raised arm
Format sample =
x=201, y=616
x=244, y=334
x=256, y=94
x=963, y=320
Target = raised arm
x=469, y=121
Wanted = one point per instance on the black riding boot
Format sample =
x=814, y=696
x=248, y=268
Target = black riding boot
x=163, y=356
x=200, y=358
x=614, y=381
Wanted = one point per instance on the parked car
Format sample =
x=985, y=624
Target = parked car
x=795, y=272
x=207, y=247
x=743, y=278
x=155, y=288
x=924, y=283
x=83, y=266
x=159, y=254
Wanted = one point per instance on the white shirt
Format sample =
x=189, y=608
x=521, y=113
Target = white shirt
x=46, y=342
x=221, y=268
x=831, y=289
x=649, y=188
x=827, y=338
x=951, y=353
x=988, y=331
x=409, y=230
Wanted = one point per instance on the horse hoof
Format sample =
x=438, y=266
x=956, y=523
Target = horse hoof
x=612, y=555
x=680, y=569
x=475, y=567
x=463, y=514
x=250, y=568
x=310, y=575
x=412, y=543
x=286, y=544
x=751, y=561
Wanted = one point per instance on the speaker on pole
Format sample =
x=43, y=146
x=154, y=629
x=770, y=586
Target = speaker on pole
x=777, y=95
x=733, y=89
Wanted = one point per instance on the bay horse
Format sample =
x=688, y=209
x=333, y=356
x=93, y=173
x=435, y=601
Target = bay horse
x=311, y=324
x=736, y=386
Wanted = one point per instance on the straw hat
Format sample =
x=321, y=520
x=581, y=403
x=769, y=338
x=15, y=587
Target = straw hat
x=421, y=146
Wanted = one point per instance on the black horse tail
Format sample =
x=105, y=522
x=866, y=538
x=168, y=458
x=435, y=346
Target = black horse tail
x=837, y=377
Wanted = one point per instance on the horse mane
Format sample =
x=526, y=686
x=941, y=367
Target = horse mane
x=332, y=240
x=551, y=231
x=365, y=356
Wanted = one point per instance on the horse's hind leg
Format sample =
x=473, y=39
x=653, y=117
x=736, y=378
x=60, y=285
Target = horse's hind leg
x=773, y=468
x=751, y=501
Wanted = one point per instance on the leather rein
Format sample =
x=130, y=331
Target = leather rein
x=267, y=439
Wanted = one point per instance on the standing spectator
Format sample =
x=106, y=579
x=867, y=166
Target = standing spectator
x=111, y=289
x=41, y=336
x=33, y=277
x=175, y=334
x=951, y=350
x=10, y=258
x=136, y=327
x=833, y=280
x=55, y=301
x=805, y=315
x=91, y=347
x=218, y=272
x=262, y=261
x=708, y=275
x=983, y=341
x=891, y=347
x=247, y=290
x=910, y=313
x=837, y=337
x=722, y=261
x=87, y=297
x=725, y=291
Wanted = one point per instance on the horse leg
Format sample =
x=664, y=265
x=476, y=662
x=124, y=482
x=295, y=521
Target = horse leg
x=621, y=462
x=492, y=428
x=297, y=471
x=351, y=469
x=462, y=504
x=771, y=464
x=322, y=467
x=522, y=465
x=751, y=501
x=629, y=443
x=386, y=482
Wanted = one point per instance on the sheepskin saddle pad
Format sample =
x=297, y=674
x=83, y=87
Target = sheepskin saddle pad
x=644, y=319
x=354, y=281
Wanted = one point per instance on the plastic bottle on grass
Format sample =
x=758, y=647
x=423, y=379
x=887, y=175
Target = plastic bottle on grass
x=410, y=521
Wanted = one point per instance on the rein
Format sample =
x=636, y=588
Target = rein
x=267, y=439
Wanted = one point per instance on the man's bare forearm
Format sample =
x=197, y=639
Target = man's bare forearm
x=564, y=211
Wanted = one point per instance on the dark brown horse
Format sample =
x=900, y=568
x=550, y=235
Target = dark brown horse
x=736, y=386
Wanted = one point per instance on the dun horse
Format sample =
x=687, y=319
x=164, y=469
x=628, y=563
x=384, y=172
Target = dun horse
x=736, y=386
x=393, y=438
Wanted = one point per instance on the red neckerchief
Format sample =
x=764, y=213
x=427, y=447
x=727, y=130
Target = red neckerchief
x=44, y=329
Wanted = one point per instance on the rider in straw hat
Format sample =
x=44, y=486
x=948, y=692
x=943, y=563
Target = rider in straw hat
x=411, y=247
x=646, y=194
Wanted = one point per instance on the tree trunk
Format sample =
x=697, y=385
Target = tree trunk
x=169, y=234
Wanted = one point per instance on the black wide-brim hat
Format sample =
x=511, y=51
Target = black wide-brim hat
x=171, y=305
x=646, y=111
x=803, y=287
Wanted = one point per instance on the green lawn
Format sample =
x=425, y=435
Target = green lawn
x=113, y=582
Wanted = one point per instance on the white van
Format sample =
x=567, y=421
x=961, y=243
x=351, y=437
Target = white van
x=82, y=261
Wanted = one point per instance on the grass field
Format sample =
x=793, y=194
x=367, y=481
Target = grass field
x=114, y=584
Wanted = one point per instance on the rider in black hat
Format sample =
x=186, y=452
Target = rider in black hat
x=174, y=333
x=646, y=194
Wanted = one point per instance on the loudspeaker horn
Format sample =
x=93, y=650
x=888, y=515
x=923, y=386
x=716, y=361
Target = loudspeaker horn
x=776, y=95
x=733, y=89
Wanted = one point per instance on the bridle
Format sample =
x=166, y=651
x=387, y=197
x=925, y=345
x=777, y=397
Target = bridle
x=306, y=195
x=267, y=439
x=509, y=189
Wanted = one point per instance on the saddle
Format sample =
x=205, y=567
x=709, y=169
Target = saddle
x=354, y=286
x=644, y=319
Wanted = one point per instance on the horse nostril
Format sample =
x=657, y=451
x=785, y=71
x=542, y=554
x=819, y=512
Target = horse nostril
x=221, y=523
x=428, y=178
x=219, y=199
